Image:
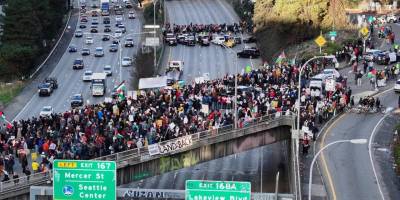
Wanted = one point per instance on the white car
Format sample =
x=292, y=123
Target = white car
x=131, y=15
x=331, y=73
x=89, y=40
x=87, y=76
x=46, y=111
x=126, y=61
x=118, y=33
x=99, y=52
x=118, y=18
x=107, y=70
x=397, y=86
x=219, y=40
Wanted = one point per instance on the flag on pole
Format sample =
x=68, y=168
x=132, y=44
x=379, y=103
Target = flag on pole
x=2, y=116
x=9, y=125
x=121, y=91
x=281, y=57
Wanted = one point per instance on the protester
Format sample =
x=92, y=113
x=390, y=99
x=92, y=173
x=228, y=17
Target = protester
x=157, y=115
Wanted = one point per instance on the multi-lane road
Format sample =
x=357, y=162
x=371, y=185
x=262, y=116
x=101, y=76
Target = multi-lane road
x=70, y=81
x=214, y=60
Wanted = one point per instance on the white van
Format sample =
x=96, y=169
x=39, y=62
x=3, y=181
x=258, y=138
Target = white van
x=397, y=86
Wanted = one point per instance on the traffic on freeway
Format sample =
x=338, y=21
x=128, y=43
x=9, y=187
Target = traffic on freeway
x=94, y=49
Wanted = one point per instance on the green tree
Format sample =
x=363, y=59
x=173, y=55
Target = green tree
x=27, y=25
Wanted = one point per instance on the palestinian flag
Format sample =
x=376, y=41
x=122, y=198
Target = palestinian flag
x=2, y=116
x=281, y=57
x=121, y=91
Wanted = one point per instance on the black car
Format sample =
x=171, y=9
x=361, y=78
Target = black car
x=45, y=89
x=106, y=20
x=93, y=30
x=113, y=48
x=52, y=81
x=107, y=29
x=72, y=49
x=82, y=25
x=106, y=38
x=76, y=100
x=78, y=64
x=251, y=39
x=251, y=52
x=115, y=42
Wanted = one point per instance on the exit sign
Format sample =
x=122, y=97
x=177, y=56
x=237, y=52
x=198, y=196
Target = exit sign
x=222, y=190
x=84, y=180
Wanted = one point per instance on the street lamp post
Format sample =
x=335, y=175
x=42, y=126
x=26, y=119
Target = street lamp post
x=235, y=99
x=154, y=23
x=353, y=141
x=296, y=142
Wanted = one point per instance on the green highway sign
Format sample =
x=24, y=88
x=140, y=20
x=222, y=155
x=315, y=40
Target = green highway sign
x=84, y=180
x=332, y=33
x=222, y=190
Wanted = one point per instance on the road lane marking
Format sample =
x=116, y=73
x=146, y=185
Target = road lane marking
x=330, y=182
x=325, y=166
x=370, y=155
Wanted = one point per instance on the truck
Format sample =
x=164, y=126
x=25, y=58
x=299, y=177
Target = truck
x=98, y=84
x=174, y=72
x=105, y=7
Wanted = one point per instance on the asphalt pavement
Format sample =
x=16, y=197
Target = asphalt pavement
x=350, y=172
x=213, y=61
x=245, y=166
x=70, y=81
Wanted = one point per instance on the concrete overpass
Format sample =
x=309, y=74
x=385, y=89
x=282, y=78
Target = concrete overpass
x=185, y=152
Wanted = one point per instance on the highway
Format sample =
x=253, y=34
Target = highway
x=215, y=61
x=351, y=174
x=245, y=166
x=70, y=81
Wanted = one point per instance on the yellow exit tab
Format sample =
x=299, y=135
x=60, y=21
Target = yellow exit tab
x=67, y=164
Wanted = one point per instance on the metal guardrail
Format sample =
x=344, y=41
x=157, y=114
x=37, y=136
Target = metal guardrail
x=138, y=155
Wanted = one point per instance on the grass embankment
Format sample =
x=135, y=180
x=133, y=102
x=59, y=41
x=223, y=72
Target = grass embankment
x=9, y=90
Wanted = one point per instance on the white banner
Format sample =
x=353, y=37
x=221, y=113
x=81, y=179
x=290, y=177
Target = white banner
x=153, y=149
x=175, y=145
x=330, y=85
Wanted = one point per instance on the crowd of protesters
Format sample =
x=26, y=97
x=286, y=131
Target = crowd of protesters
x=158, y=115
x=201, y=28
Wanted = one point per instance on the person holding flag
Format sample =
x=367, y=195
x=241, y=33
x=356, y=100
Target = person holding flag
x=121, y=91
x=3, y=118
